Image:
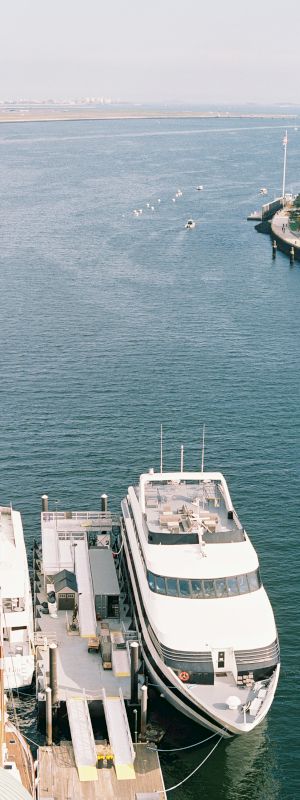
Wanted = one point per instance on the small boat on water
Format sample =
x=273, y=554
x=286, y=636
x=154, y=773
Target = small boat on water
x=190, y=224
x=199, y=188
x=254, y=216
x=16, y=621
x=263, y=190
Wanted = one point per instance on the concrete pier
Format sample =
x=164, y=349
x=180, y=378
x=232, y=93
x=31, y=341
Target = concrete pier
x=286, y=240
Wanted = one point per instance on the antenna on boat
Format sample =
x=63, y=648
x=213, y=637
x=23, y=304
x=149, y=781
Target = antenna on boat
x=285, y=141
x=181, y=458
x=161, y=448
x=203, y=449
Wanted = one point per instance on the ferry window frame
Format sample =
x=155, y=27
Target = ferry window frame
x=233, y=579
x=205, y=588
x=151, y=581
x=163, y=584
x=218, y=583
x=243, y=582
x=254, y=582
x=209, y=588
x=182, y=592
x=175, y=582
x=197, y=592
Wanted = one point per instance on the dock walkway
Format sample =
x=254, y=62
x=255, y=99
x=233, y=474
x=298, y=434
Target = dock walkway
x=281, y=231
x=82, y=738
x=78, y=671
x=119, y=736
x=58, y=776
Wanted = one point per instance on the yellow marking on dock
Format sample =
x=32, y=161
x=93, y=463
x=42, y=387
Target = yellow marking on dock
x=125, y=772
x=122, y=674
x=87, y=774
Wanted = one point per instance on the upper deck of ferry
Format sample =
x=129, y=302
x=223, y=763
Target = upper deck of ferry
x=179, y=507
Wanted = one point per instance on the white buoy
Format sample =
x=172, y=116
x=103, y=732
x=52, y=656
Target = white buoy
x=152, y=208
x=174, y=201
x=158, y=200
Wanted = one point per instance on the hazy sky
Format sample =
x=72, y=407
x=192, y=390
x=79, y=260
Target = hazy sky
x=193, y=51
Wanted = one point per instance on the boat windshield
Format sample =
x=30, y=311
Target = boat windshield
x=206, y=588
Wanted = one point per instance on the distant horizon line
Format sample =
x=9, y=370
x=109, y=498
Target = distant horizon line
x=108, y=101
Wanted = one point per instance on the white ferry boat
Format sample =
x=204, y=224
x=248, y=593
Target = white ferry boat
x=207, y=629
x=16, y=602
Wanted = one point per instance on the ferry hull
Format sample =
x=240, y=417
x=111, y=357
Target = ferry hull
x=162, y=677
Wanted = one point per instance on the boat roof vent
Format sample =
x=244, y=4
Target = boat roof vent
x=233, y=702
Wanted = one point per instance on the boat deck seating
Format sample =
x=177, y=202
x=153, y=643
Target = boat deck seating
x=186, y=523
x=209, y=524
x=151, y=502
x=168, y=517
x=170, y=510
x=173, y=521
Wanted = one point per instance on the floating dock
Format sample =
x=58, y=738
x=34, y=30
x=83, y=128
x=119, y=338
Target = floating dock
x=69, y=541
x=87, y=663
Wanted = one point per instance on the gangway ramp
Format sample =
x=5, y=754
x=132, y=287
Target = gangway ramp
x=83, y=741
x=86, y=603
x=119, y=735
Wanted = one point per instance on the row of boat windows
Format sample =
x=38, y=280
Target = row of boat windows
x=202, y=589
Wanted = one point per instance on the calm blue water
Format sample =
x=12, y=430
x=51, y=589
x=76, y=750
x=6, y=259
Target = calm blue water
x=112, y=325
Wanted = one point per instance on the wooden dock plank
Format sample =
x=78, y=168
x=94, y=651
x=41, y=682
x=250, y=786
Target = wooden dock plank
x=58, y=777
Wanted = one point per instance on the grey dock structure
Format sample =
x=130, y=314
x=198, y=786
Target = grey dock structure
x=83, y=654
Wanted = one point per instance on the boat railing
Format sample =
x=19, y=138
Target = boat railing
x=41, y=640
x=88, y=519
x=13, y=605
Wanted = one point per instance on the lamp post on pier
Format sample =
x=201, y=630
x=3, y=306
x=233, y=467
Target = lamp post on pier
x=285, y=141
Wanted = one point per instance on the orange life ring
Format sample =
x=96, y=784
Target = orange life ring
x=184, y=676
